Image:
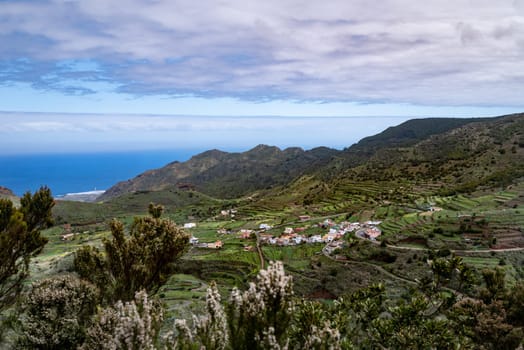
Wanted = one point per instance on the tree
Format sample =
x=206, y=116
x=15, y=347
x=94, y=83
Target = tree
x=515, y=304
x=20, y=239
x=155, y=210
x=141, y=260
x=486, y=324
x=56, y=312
x=495, y=284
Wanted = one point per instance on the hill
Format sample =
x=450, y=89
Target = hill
x=6, y=192
x=229, y=175
x=439, y=155
x=452, y=195
x=486, y=152
x=476, y=155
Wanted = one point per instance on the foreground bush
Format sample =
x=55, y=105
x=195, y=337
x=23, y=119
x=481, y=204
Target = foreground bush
x=141, y=260
x=132, y=325
x=56, y=313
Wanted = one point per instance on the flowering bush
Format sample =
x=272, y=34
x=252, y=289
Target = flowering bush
x=56, y=312
x=132, y=325
x=257, y=318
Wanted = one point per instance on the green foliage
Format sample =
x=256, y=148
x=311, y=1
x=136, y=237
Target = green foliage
x=514, y=303
x=142, y=260
x=414, y=325
x=486, y=324
x=56, y=313
x=92, y=265
x=495, y=284
x=448, y=273
x=155, y=210
x=266, y=317
x=20, y=239
x=258, y=318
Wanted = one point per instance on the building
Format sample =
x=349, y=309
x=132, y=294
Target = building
x=67, y=236
x=245, y=235
x=315, y=239
x=215, y=245
x=304, y=217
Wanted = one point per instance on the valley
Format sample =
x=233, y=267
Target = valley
x=389, y=211
x=485, y=229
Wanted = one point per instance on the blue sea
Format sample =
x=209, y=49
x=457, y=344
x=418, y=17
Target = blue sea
x=73, y=173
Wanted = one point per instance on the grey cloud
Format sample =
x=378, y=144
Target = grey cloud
x=519, y=5
x=392, y=51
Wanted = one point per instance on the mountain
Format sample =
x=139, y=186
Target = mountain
x=406, y=134
x=229, y=175
x=439, y=154
x=480, y=154
x=477, y=153
x=6, y=192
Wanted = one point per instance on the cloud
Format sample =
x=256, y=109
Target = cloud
x=389, y=51
x=46, y=132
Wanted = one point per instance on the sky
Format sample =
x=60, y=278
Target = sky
x=124, y=74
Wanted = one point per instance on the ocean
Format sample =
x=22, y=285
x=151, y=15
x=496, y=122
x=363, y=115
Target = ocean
x=82, y=172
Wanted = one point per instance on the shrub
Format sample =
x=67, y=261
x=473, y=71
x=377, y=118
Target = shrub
x=257, y=318
x=133, y=325
x=142, y=260
x=56, y=312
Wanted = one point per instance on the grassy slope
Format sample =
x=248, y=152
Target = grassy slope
x=406, y=225
x=396, y=186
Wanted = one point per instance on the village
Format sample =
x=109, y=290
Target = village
x=327, y=232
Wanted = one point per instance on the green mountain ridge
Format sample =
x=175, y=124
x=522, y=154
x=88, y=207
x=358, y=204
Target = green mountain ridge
x=486, y=154
x=446, y=154
x=229, y=175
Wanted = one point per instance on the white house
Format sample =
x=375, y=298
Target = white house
x=265, y=227
x=190, y=225
x=298, y=239
x=373, y=222
x=315, y=239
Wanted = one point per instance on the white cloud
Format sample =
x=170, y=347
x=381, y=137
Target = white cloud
x=439, y=52
x=42, y=132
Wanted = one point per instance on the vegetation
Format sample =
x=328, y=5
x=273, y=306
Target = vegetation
x=143, y=260
x=20, y=240
x=446, y=271
x=56, y=313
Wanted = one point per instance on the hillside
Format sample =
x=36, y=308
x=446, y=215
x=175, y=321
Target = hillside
x=482, y=154
x=229, y=175
x=453, y=196
x=6, y=192
x=406, y=134
x=487, y=152
x=439, y=155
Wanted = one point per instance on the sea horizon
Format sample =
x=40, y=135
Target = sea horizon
x=73, y=173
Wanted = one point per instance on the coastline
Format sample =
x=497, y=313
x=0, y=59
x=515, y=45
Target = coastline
x=88, y=196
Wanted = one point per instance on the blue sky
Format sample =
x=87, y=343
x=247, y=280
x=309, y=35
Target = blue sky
x=128, y=64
